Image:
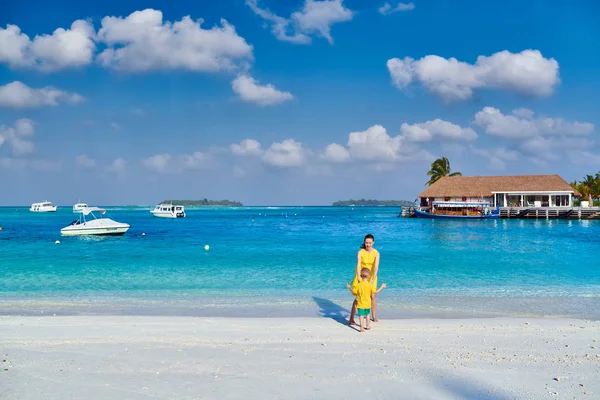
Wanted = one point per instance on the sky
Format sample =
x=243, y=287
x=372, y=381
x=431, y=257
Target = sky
x=290, y=102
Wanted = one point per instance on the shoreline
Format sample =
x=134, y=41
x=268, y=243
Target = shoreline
x=304, y=307
x=140, y=357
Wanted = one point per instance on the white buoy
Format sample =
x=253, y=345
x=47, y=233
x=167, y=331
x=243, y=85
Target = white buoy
x=57, y=242
x=143, y=234
x=206, y=247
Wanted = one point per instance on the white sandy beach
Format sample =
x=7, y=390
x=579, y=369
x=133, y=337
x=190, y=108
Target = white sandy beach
x=140, y=357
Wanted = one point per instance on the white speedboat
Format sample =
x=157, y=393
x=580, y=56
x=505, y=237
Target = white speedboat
x=168, y=211
x=95, y=226
x=78, y=208
x=45, y=206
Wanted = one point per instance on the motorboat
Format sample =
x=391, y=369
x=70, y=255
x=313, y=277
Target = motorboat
x=95, y=226
x=45, y=206
x=168, y=211
x=458, y=210
x=77, y=208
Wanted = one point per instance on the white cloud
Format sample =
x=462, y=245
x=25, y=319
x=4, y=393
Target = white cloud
x=45, y=165
x=288, y=153
x=19, y=95
x=85, y=161
x=336, y=153
x=25, y=127
x=117, y=166
x=246, y=147
x=64, y=48
x=22, y=147
x=523, y=112
x=138, y=111
x=316, y=17
x=374, y=144
x=158, y=162
x=527, y=73
x=251, y=91
x=583, y=157
x=387, y=9
x=197, y=160
x=425, y=131
x=378, y=150
x=115, y=126
x=167, y=163
x=281, y=25
x=496, y=157
x=142, y=42
x=14, y=136
x=13, y=163
x=512, y=127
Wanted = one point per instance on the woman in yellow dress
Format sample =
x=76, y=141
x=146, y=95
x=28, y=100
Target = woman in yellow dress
x=367, y=257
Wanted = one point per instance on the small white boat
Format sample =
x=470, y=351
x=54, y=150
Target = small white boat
x=96, y=226
x=45, y=206
x=168, y=211
x=78, y=208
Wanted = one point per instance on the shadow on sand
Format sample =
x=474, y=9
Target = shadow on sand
x=467, y=388
x=329, y=309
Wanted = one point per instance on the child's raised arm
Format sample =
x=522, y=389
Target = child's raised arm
x=350, y=289
x=383, y=286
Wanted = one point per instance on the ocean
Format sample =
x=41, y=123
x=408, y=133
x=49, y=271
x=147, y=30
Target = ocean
x=296, y=261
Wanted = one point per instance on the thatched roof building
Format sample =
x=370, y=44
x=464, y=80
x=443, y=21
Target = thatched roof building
x=486, y=186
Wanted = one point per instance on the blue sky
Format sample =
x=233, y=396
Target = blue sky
x=298, y=102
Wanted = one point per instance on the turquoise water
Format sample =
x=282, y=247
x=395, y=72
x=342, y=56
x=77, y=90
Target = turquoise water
x=295, y=261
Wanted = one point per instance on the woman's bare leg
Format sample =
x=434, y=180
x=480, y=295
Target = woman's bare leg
x=353, y=313
x=374, y=308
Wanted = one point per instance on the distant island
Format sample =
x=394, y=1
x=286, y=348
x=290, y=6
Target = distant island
x=363, y=202
x=204, y=202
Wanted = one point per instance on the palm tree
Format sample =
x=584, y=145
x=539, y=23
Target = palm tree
x=439, y=169
x=590, y=187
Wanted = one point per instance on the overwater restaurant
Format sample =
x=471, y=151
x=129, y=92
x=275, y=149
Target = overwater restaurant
x=503, y=191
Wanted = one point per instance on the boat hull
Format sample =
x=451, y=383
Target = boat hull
x=424, y=214
x=116, y=231
x=98, y=227
x=46, y=209
x=162, y=214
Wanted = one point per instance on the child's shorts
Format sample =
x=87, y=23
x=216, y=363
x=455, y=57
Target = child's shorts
x=363, y=312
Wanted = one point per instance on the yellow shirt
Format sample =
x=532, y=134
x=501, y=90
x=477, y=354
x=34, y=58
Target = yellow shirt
x=367, y=260
x=363, y=293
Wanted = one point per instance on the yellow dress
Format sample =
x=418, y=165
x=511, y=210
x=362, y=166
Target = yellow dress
x=367, y=260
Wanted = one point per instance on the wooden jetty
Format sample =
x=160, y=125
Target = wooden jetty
x=534, y=212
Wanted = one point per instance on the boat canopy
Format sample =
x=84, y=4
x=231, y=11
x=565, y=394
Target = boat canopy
x=461, y=204
x=88, y=210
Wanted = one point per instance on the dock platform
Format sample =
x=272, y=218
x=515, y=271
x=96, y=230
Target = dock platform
x=534, y=212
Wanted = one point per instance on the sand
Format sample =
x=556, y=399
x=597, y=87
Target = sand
x=158, y=357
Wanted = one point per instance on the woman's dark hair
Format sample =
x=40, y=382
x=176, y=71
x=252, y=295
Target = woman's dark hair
x=368, y=236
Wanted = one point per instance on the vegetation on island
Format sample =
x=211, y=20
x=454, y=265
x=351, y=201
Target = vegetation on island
x=372, y=203
x=439, y=169
x=589, y=187
x=204, y=202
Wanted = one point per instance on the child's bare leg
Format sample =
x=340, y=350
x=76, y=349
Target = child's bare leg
x=353, y=313
x=374, y=308
x=361, y=320
x=368, y=318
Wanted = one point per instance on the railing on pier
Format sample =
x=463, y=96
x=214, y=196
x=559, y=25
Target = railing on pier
x=533, y=212
x=551, y=212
